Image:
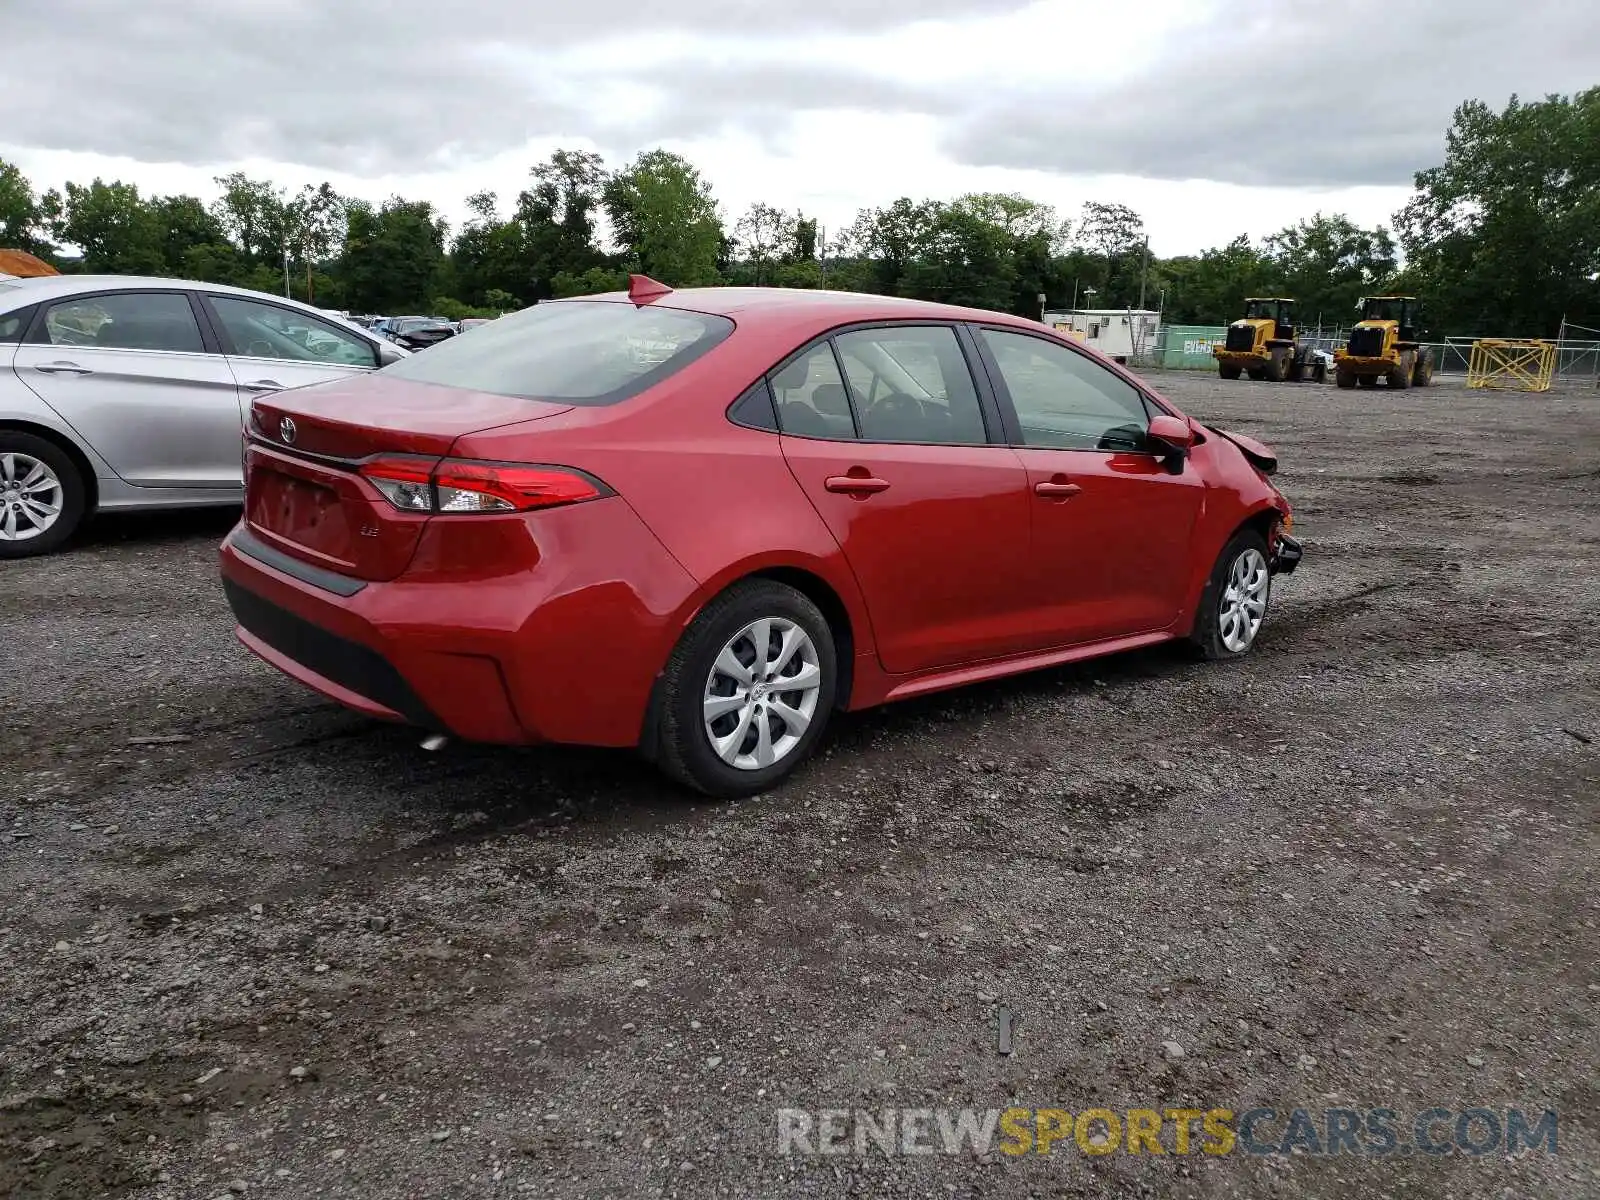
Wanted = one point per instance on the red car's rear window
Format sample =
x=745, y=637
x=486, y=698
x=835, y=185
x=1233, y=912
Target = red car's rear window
x=588, y=352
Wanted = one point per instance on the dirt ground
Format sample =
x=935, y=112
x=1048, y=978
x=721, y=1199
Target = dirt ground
x=254, y=944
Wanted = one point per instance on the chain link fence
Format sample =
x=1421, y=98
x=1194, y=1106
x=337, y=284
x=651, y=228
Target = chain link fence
x=1188, y=348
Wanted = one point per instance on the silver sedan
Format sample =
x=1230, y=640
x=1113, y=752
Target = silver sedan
x=130, y=393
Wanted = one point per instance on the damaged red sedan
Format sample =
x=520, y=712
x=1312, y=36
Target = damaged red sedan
x=699, y=522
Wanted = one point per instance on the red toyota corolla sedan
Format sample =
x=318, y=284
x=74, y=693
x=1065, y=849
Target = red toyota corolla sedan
x=698, y=522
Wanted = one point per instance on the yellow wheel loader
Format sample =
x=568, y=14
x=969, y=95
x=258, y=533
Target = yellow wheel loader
x=1262, y=345
x=1385, y=345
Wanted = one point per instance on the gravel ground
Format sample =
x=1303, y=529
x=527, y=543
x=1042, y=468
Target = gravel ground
x=253, y=942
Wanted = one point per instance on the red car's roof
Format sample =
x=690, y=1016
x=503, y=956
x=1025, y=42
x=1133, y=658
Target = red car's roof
x=808, y=306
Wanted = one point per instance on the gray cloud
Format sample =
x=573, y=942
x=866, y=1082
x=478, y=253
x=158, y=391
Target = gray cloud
x=762, y=98
x=405, y=85
x=1296, y=93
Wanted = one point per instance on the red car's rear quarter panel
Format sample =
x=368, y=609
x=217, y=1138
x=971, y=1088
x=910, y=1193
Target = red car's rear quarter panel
x=519, y=628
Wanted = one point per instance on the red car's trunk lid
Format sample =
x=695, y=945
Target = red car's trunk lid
x=304, y=493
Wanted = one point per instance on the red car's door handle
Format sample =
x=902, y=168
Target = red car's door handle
x=856, y=485
x=1056, y=489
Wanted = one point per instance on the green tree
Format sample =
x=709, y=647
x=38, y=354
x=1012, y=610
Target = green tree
x=112, y=224
x=184, y=225
x=1210, y=289
x=488, y=256
x=314, y=225
x=1327, y=264
x=556, y=217
x=1108, y=253
x=254, y=215
x=22, y=220
x=1036, y=235
x=665, y=220
x=964, y=260
x=766, y=235
x=393, y=256
x=1504, y=236
x=886, y=243
x=593, y=282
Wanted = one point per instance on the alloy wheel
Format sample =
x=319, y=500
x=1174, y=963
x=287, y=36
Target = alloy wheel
x=31, y=496
x=1244, y=600
x=761, y=693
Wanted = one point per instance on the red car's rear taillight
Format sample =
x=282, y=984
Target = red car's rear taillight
x=456, y=485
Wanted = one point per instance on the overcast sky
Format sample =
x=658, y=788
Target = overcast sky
x=1209, y=118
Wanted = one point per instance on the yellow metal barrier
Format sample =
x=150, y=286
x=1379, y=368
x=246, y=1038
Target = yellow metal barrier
x=1514, y=366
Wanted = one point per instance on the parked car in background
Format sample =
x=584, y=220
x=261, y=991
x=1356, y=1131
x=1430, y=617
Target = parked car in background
x=414, y=333
x=422, y=333
x=130, y=393
x=524, y=535
x=467, y=323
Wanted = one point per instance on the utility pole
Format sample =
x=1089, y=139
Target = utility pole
x=286, y=270
x=1144, y=271
x=822, y=252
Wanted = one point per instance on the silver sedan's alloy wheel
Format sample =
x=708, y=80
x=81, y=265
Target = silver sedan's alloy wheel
x=761, y=694
x=1244, y=600
x=30, y=496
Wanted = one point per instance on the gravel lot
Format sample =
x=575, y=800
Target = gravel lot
x=252, y=941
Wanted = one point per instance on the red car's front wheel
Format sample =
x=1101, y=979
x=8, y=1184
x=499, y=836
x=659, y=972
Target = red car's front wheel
x=1236, y=597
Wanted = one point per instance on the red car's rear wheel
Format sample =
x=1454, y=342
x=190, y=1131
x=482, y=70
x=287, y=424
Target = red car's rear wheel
x=748, y=690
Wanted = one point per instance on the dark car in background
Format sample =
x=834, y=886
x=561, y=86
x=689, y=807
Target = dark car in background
x=415, y=333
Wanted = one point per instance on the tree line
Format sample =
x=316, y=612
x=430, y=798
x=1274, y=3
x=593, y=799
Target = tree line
x=1503, y=237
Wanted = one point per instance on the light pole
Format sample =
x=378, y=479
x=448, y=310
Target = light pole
x=286, y=270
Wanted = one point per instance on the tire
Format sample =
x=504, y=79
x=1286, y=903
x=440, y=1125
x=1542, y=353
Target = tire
x=1319, y=374
x=694, y=676
x=1296, y=372
x=1256, y=373
x=53, y=482
x=1344, y=377
x=1422, y=372
x=1218, y=634
x=1399, y=376
x=1274, y=369
x=1228, y=372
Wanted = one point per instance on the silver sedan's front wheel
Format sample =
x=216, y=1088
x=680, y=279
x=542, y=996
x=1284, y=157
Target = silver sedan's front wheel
x=1244, y=600
x=31, y=496
x=43, y=495
x=761, y=693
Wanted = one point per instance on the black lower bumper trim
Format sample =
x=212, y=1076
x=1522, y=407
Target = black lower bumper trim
x=245, y=542
x=349, y=664
x=1287, y=556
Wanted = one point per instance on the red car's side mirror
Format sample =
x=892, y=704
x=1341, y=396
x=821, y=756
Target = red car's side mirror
x=1172, y=433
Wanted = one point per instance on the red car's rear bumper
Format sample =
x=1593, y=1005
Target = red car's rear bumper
x=544, y=652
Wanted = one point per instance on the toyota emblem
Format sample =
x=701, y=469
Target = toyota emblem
x=286, y=430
